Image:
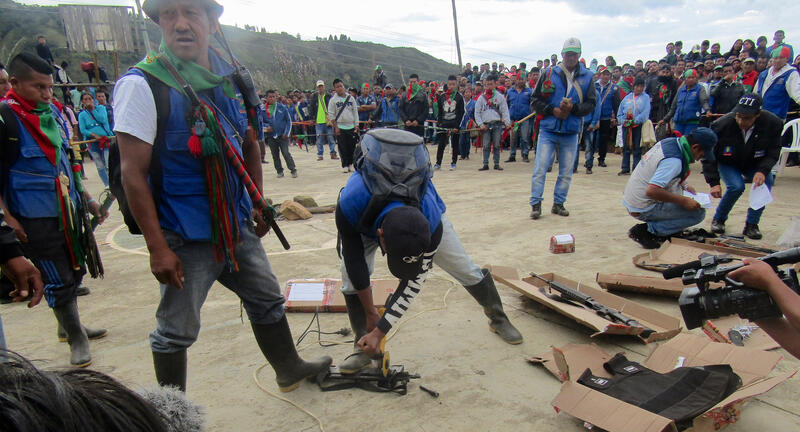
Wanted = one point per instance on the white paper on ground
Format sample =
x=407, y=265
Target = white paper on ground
x=760, y=196
x=703, y=198
x=307, y=292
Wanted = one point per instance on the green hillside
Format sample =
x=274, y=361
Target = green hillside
x=276, y=60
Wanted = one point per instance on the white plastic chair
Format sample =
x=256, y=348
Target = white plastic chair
x=794, y=125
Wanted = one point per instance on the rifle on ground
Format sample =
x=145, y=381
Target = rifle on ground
x=571, y=296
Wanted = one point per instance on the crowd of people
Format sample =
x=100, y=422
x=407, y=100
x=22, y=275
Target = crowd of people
x=181, y=151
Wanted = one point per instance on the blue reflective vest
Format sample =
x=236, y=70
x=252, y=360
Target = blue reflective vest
x=776, y=99
x=688, y=107
x=183, y=205
x=30, y=189
x=354, y=198
x=572, y=124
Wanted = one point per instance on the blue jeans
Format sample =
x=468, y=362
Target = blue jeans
x=491, y=139
x=464, y=144
x=2, y=336
x=668, y=218
x=100, y=159
x=636, y=150
x=545, y=152
x=325, y=133
x=683, y=128
x=590, y=140
x=178, y=314
x=734, y=188
x=450, y=257
x=522, y=138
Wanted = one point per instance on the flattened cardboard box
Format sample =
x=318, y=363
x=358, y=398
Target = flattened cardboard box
x=680, y=251
x=655, y=285
x=665, y=326
x=718, y=330
x=685, y=349
x=325, y=295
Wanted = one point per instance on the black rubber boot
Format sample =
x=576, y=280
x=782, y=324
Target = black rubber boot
x=358, y=360
x=275, y=341
x=485, y=292
x=68, y=318
x=90, y=333
x=171, y=369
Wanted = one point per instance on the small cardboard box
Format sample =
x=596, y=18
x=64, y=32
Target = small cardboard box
x=680, y=251
x=685, y=349
x=562, y=243
x=665, y=326
x=719, y=329
x=325, y=295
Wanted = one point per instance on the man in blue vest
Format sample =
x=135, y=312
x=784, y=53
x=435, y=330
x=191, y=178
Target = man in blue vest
x=277, y=127
x=779, y=84
x=387, y=112
x=47, y=224
x=413, y=239
x=519, y=107
x=564, y=95
x=604, y=119
x=655, y=193
x=688, y=105
x=191, y=243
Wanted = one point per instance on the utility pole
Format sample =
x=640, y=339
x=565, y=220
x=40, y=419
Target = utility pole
x=455, y=24
x=143, y=28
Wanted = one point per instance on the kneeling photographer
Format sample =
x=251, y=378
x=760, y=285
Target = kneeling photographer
x=785, y=330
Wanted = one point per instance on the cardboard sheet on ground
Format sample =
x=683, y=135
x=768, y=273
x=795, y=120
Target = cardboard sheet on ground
x=665, y=326
x=680, y=251
x=325, y=295
x=718, y=330
x=655, y=285
x=613, y=415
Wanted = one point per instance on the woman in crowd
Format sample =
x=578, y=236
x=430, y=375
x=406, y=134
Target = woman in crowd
x=93, y=122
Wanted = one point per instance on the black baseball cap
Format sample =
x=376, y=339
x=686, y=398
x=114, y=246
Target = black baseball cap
x=407, y=235
x=749, y=104
x=706, y=138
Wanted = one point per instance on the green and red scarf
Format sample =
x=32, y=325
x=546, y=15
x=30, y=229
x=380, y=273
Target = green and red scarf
x=39, y=121
x=206, y=142
x=413, y=89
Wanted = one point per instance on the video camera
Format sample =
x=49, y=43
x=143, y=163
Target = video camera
x=700, y=303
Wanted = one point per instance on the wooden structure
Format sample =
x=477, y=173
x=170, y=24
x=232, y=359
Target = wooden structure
x=98, y=28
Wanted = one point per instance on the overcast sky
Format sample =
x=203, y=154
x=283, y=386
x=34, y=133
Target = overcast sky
x=511, y=31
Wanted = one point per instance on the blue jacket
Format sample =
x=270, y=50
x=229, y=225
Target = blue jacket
x=280, y=120
x=688, y=106
x=640, y=109
x=182, y=204
x=369, y=100
x=469, y=113
x=545, y=104
x=30, y=189
x=388, y=110
x=95, y=122
x=776, y=99
x=519, y=103
x=354, y=198
x=300, y=112
x=606, y=99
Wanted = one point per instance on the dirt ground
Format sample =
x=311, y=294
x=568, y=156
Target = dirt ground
x=485, y=384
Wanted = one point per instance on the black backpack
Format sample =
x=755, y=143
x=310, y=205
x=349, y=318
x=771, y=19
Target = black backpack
x=680, y=394
x=161, y=97
x=395, y=166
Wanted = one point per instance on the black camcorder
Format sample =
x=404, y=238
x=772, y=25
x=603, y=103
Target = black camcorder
x=699, y=303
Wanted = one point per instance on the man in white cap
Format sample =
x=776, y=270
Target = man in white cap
x=564, y=94
x=318, y=107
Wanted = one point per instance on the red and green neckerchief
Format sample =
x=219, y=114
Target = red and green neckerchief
x=39, y=121
x=547, y=85
x=447, y=95
x=413, y=89
x=205, y=142
x=488, y=94
x=688, y=157
x=270, y=109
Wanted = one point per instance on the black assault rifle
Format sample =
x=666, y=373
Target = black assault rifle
x=571, y=296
